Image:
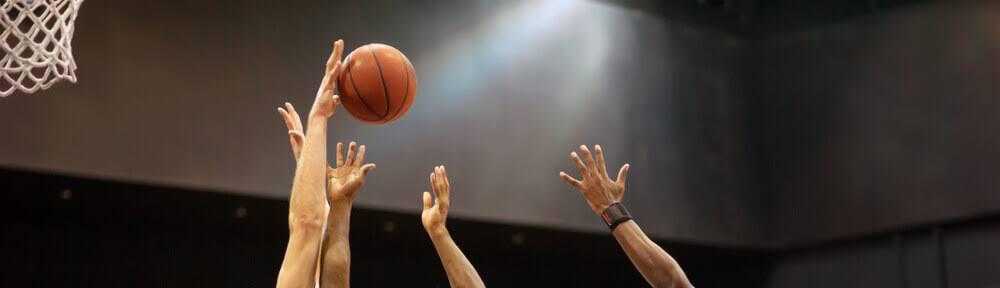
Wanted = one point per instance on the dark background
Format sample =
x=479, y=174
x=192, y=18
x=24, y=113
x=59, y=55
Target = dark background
x=774, y=143
x=78, y=232
x=881, y=135
x=881, y=121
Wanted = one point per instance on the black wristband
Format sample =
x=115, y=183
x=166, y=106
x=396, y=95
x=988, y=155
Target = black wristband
x=615, y=214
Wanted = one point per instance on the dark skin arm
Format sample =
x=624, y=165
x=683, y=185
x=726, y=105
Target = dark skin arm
x=460, y=271
x=655, y=265
x=345, y=182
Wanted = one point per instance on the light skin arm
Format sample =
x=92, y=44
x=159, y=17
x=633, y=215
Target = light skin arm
x=460, y=271
x=296, y=136
x=307, y=207
x=655, y=265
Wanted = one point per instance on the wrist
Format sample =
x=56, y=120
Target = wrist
x=600, y=208
x=341, y=197
x=317, y=119
x=436, y=230
x=341, y=204
x=614, y=215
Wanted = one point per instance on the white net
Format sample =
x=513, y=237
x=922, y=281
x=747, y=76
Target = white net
x=36, y=44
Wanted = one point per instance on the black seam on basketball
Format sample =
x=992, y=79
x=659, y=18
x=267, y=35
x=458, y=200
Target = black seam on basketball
x=406, y=93
x=358, y=93
x=385, y=88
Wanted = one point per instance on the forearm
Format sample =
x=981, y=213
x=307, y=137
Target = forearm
x=460, y=271
x=659, y=269
x=298, y=268
x=336, y=265
x=307, y=211
x=307, y=204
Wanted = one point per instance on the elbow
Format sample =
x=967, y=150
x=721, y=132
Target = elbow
x=671, y=280
x=336, y=265
x=305, y=223
x=681, y=283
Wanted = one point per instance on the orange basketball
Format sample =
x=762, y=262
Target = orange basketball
x=378, y=83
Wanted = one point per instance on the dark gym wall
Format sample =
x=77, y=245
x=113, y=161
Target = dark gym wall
x=880, y=122
x=70, y=232
x=960, y=254
x=183, y=93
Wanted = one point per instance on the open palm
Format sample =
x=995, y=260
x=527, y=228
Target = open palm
x=436, y=210
x=346, y=179
x=597, y=187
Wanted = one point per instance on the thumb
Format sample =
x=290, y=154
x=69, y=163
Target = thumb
x=623, y=174
x=335, y=72
x=427, y=200
x=296, y=136
x=366, y=167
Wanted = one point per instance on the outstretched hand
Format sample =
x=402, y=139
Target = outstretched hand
x=326, y=102
x=346, y=179
x=296, y=134
x=436, y=211
x=597, y=188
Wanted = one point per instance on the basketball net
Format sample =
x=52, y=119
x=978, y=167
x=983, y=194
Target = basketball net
x=36, y=44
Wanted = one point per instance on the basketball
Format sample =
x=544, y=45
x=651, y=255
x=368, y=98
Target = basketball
x=378, y=84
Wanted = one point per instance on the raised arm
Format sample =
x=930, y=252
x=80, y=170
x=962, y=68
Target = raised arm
x=344, y=183
x=459, y=269
x=604, y=197
x=307, y=205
